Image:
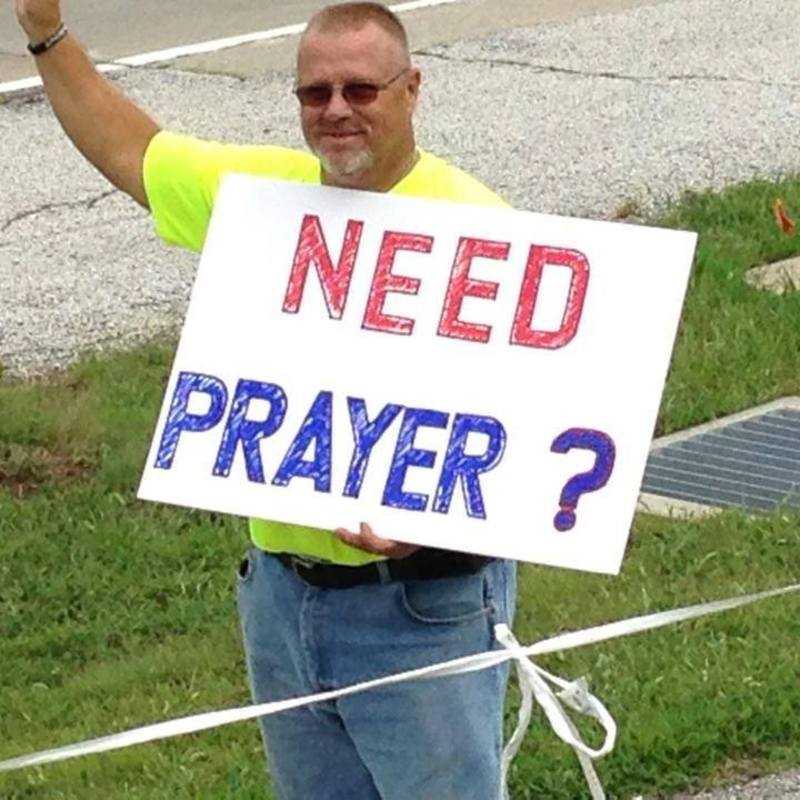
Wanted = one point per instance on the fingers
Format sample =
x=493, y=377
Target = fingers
x=38, y=18
x=367, y=540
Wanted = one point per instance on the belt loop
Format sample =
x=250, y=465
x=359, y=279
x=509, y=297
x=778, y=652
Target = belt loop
x=383, y=571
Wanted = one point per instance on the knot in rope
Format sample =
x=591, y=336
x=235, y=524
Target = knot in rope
x=533, y=683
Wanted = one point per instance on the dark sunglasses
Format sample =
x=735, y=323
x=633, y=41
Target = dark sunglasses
x=356, y=93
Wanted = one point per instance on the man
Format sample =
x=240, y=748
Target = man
x=325, y=609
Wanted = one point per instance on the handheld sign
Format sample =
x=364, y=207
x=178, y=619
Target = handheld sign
x=476, y=379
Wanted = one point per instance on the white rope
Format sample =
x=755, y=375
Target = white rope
x=573, y=694
x=533, y=684
x=523, y=721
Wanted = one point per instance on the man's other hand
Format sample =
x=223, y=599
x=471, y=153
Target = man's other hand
x=40, y=19
x=366, y=539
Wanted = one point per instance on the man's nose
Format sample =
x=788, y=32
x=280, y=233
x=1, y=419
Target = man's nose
x=338, y=107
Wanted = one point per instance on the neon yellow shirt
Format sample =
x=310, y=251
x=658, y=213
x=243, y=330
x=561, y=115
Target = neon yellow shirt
x=181, y=178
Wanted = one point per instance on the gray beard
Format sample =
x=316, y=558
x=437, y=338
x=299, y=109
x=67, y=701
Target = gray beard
x=352, y=165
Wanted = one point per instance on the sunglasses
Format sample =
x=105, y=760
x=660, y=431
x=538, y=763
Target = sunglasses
x=356, y=93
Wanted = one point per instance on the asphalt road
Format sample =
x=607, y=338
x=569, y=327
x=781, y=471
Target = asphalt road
x=581, y=113
x=112, y=29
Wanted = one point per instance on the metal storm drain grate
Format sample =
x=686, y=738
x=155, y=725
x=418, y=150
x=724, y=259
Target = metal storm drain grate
x=750, y=460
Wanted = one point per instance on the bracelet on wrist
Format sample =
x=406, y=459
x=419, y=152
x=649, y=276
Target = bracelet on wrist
x=51, y=41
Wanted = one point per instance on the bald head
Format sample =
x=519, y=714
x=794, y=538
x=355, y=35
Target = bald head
x=345, y=17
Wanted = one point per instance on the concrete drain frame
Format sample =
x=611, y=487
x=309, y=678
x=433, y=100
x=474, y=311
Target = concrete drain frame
x=679, y=502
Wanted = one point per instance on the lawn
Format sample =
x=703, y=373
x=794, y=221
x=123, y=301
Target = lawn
x=115, y=613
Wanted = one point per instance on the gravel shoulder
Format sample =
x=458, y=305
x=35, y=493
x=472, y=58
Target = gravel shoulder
x=775, y=787
x=597, y=117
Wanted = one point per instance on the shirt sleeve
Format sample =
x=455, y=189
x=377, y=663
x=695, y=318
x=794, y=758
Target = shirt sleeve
x=182, y=176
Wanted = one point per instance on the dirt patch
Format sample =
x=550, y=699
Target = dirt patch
x=25, y=469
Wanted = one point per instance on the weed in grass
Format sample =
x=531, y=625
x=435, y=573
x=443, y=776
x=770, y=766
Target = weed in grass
x=627, y=209
x=24, y=469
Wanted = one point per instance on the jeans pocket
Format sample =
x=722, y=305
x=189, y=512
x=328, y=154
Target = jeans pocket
x=246, y=568
x=446, y=600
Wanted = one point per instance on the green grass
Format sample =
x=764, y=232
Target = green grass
x=115, y=613
x=737, y=346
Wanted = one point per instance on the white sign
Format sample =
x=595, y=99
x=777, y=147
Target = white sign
x=477, y=379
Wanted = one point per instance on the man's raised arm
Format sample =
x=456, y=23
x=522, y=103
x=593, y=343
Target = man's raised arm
x=110, y=130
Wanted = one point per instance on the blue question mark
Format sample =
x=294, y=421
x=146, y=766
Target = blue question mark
x=603, y=446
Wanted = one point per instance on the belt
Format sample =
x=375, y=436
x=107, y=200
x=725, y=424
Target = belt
x=424, y=564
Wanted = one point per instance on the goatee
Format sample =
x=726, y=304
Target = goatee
x=346, y=165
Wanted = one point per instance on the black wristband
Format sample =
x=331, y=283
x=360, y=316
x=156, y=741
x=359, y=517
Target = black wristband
x=51, y=41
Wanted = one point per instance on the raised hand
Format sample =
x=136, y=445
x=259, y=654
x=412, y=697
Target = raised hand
x=109, y=130
x=38, y=18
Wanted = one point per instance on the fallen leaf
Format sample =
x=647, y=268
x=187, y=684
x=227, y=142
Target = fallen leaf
x=785, y=222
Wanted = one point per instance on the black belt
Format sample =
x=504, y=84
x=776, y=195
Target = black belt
x=425, y=564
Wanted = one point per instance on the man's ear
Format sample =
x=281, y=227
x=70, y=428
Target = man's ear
x=413, y=85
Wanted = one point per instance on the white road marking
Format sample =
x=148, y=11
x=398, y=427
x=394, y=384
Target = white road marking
x=157, y=56
x=32, y=83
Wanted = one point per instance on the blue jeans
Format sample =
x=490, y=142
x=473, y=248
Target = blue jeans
x=435, y=739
